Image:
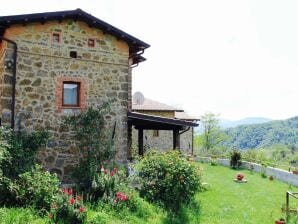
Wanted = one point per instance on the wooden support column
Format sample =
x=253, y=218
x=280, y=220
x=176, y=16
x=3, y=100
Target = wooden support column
x=176, y=139
x=129, y=141
x=140, y=141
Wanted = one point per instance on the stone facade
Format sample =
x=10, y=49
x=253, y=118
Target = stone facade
x=103, y=72
x=164, y=140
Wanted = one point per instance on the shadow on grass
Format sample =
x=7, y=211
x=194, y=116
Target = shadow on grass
x=189, y=213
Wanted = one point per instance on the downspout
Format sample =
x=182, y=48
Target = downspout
x=14, y=74
x=182, y=132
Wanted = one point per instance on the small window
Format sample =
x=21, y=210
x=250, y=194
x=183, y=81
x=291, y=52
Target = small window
x=56, y=38
x=71, y=92
x=73, y=54
x=155, y=133
x=91, y=42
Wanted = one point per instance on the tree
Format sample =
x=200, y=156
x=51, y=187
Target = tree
x=212, y=135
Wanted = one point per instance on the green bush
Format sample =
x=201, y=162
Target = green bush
x=168, y=178
x=235, y=161
x=94, y=140
x=36, y=188
x=19, y=150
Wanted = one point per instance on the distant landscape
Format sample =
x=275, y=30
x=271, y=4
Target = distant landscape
x=258, y=139
x=246, y=121
x=263, y=134
x=224, y=123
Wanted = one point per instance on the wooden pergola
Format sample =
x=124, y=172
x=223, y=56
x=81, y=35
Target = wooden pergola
x=149, y=122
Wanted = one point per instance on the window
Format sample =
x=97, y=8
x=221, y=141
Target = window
x=155, y=133
x=91, y=42
x=71, y=93
x=56, y=38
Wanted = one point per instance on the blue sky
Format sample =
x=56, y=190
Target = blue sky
x=234, y=58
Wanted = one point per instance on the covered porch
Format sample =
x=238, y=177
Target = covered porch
x=143, y=122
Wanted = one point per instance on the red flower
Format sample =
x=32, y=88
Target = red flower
x=121, y=196
x=115, y=170
x=50, y=215
x=67, y=191
x=72, y=201
x=78, y=197
x=82, y=209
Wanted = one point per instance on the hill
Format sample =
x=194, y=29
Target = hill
x=224, y=124
x=263, y=135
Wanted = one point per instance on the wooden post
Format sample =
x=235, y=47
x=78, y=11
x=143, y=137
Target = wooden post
x=129, y=141
x=176, y=139
x=287, y=206
x=140, y=141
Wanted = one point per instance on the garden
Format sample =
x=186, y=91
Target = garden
x=159, y=188
x=155, y=191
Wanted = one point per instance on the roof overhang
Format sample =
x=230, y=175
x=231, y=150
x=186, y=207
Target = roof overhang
x=145, y=121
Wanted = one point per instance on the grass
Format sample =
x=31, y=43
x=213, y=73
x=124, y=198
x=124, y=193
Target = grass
x=257, y=201
x=225, y=202
x=19, y=216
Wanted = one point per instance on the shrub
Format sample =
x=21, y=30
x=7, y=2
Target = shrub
x=36, y=188
x=168, y=178
x=21, y=148
x=94, y=141
x=67, y=208
x=235, y=161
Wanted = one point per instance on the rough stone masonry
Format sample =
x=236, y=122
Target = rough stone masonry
x=103, y=72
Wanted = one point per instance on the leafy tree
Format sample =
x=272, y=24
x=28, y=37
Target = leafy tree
x=212, y=135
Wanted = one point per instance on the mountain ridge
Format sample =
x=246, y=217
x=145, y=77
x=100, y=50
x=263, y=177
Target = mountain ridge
x=224, y=124
x=263, y=134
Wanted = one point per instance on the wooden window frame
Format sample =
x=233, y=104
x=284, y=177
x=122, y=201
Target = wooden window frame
x=94, y=42
x=60, y=38
x=78, y=94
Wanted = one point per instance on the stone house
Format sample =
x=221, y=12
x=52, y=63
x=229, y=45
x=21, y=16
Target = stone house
x=162, y=139
x=59, y=63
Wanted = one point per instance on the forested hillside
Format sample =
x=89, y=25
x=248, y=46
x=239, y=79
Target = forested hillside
x=263, y=135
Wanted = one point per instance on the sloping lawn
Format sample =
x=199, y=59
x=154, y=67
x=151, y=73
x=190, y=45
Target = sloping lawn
x=258, y=201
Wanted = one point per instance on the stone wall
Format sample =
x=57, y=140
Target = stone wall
x=169, y=114
x=164, y=141
x=42, y=66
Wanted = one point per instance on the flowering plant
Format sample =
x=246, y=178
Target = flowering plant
x=239, y=176
x=105, y=183
x=120, y=200
x=68, y=208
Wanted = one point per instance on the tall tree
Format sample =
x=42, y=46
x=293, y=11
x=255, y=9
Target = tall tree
x=212, y=134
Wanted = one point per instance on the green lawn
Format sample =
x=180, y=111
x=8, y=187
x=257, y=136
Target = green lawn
x=258, y=201
x=225, y=202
